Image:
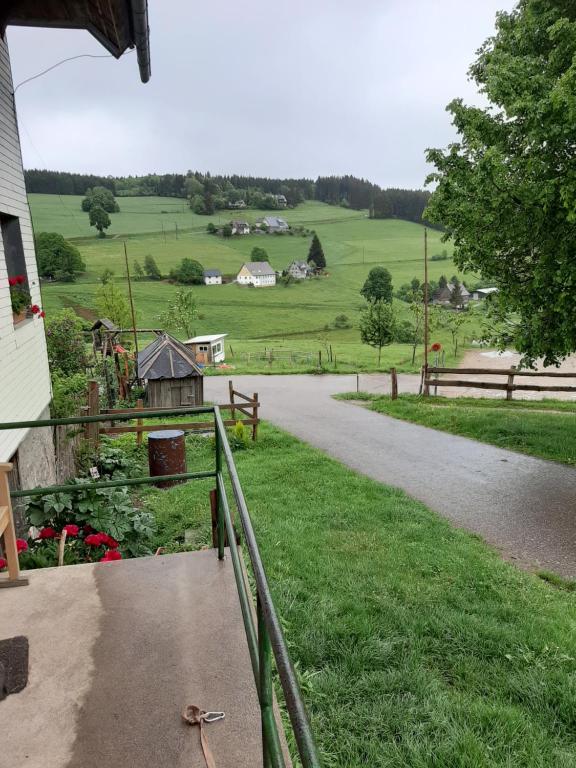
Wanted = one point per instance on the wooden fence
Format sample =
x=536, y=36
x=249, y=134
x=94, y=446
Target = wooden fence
x=247, y=408
x=509, y=386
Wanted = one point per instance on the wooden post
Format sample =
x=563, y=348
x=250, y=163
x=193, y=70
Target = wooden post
x=93, y=410
x=231, y=392
x=509, y=384
x=8, y=532
x=255, y=416
x=139, y=435
x=393, y=383
x=426, y=340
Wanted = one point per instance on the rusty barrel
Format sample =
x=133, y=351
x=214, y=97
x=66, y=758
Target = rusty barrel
x=166, y=455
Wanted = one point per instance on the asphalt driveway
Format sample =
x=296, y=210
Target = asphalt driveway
x=525, y=507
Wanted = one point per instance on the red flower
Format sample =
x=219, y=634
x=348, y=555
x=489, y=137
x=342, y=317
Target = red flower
x=47, y=533
x=88, y=528
x=21, y=545
x=34, y=309
x=436, y=347
x=12, y=281
x=42, y=314
x=110, y=555
x=3, y=563
x=109, y=541
x=95, y=539
x=71, y=529
x=20, y=279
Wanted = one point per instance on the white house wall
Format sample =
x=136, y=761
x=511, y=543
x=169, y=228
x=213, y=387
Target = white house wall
x=24, y=375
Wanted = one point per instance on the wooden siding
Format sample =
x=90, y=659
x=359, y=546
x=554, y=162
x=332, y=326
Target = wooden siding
x=172, y=393
x=24, y=375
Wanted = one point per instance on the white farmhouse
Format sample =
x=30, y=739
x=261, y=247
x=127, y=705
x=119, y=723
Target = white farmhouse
x=275, y=224
x=25, y=391
x=240, y=227
x=212, y=277
x=258, y=273
x=299, y=270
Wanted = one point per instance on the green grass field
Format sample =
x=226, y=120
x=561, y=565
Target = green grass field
x=546, y=428
x=416, y=644
x=296, y=315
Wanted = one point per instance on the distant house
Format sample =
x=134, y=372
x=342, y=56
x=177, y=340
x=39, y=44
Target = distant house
x=483, y=293
x=257, y=273
x=212, y=277
x=240, y=227
x=170, y=373
x=275, y=224
x=208, y=349
x=237, y=204
x=299, y=270
x=443, y=296
x=281, y=201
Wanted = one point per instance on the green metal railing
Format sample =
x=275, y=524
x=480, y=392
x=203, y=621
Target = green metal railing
x=263, y=630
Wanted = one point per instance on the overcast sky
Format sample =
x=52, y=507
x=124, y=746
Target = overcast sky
x=299, y=88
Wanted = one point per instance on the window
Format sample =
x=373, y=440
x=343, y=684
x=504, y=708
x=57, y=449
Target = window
x=203, y=348
x=16, y=267
x=13, y=248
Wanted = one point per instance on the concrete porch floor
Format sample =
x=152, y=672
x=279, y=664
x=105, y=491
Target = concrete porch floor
x=116, y=652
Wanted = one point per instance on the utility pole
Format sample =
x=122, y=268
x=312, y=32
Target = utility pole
x=426, y=390
x=163, y=233
x=176, y=226
x=132, y=310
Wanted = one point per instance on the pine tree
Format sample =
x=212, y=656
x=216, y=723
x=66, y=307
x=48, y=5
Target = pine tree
x=316, y=254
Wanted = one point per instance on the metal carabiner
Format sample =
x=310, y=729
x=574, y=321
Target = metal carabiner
x=212, y=717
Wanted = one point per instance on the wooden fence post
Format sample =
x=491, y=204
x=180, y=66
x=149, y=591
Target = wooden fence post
x=255, y=416
x=509, y=385
x=8, y=532
x=231, y=392
x=139, y=434
x=393, y=384
x=93, y=410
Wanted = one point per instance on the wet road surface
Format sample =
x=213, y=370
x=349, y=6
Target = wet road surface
x=525, y=507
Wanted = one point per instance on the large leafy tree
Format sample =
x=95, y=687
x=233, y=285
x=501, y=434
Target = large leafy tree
x=378, y=285
x=99, y=219
x=181, y=314
x=189, y=272
x=100, y=197
x=57, y=258
x=112, y=303
x=151, y=268
x=506, y=190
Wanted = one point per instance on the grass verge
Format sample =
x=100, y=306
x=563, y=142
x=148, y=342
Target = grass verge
x=544, y=428
x=417, y=645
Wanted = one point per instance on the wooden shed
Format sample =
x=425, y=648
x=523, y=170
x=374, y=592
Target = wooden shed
x=170, y=374
x=104, y=336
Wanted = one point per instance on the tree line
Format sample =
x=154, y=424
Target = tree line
x=207, y=193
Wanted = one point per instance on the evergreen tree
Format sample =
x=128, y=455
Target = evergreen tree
x=151, y=268
x=378, y=285
x=442, y=282
x=138, y=271
x=316, y=254
x=456, y=297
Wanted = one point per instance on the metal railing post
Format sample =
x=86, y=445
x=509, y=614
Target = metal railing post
x=271, y=748
x=219, y=505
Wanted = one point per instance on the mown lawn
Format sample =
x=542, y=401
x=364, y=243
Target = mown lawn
x=544, y=428
x=417, y=645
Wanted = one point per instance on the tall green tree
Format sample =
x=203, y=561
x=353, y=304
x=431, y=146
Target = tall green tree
x=378, y=285
x=456, y=297
x=99, y=219
x=377, y=324
x=100, y=197
x=181, y=314
x=138, y=271
x=316, y=254
x=259, y=254
x=57, y=258
x=151, y=268
x=506, y=190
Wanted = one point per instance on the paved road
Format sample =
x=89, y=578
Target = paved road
x=525, y=507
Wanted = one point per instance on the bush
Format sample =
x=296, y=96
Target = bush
x=65, y=341
x=239, y=438
x=68, y=394
x=57, y=258
x=342, y=321
x=190, y=272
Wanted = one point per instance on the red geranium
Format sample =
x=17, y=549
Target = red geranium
x=47, y=533
x=12, y=282
x=42, y=314
x=110, y=555
x=96, y=539
x=20, y=279
x=21, y=545
x=3, y=563
x=34, y=309
x=71, y=529
x=109, y=541
x=436, y=347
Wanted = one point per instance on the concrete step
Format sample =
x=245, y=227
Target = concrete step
x=117, y=650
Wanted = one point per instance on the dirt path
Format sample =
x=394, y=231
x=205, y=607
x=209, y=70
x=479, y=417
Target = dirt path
x=525, y=507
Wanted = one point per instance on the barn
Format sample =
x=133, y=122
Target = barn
x=170, y=374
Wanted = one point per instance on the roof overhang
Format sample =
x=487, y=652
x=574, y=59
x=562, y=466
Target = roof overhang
x=116, y=24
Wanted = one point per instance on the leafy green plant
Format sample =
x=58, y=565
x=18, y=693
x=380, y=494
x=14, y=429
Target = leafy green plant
x=239, y=438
